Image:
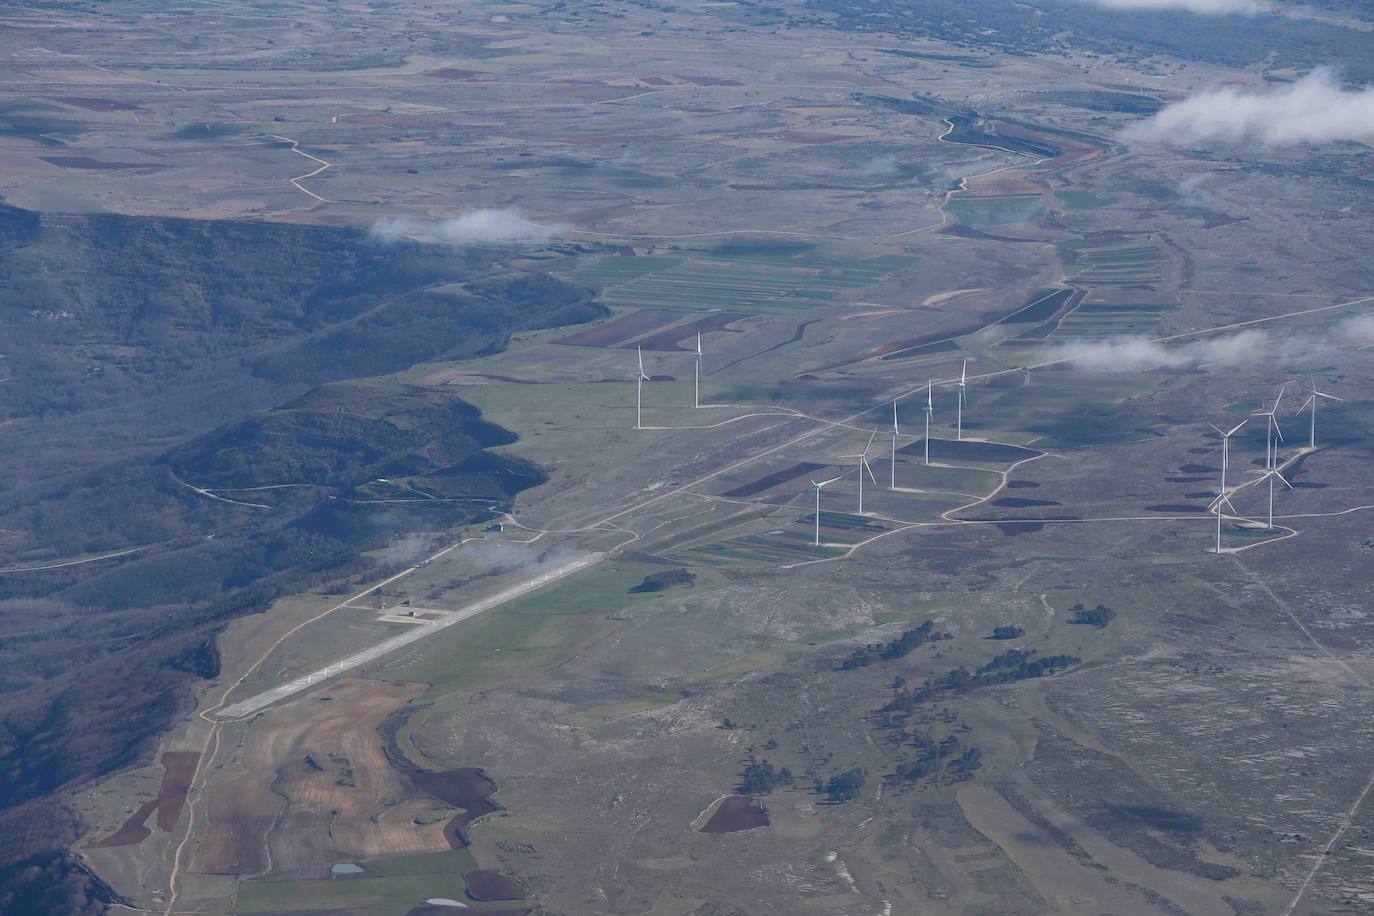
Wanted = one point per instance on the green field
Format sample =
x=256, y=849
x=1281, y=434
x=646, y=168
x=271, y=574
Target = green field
x=390, y=887
x=981, y=212
x=743, y=279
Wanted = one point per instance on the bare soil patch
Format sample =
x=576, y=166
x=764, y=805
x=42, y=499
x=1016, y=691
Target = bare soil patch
x=468, y=788
x=735, y=813
x=487, y=885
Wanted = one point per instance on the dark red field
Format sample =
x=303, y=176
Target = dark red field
x=738, y=812
x=768, y=481
x=486, y=885
x=467, y=788
x=178, y=768
x=627, y=327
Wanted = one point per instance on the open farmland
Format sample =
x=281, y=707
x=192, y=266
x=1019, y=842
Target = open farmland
x=356, y=566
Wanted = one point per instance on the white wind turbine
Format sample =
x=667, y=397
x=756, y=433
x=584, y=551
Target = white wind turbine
x=929, y=409
x=1312, y=401
x=1271, y=474
x=1271, y=444
x=817, y=486
x=696, y=387
x=639, y=388
x=962, y=384
x=1226, y=448
x=1215, y=506
x=863, y=467
x=892, y=484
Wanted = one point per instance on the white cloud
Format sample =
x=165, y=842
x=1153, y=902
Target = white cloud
x=1358, y=331
x=1206, y=7
x=1137, y=354
x=1315, y=109
x=494, y=226
x=879, y=166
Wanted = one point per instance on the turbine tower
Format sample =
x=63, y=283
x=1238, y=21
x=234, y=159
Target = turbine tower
x=892, y=485
x=1215, y=506
x=696, y=386
x=817, y=487
x=639, y=388
x=929, y=409
x=863, y=467
x=1312, y=402
x=1271, y=445
x=1226, y=448
x=1271, y=474
x=962, y=384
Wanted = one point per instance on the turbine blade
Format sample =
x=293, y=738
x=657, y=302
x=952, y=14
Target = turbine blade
x=1282, y=389
x=1329, y=397
x=640, y=352
x=1282, y=478
x=1305, y=404
x=864, y=463
x=1235, y=428
x=963, y=373
x=1278, y=432
x=871, y=437
x=1221, y=499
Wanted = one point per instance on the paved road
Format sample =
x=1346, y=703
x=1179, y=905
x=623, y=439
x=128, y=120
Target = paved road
x=262, y=700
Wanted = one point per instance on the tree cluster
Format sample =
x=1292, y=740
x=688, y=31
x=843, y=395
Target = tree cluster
x=902, y=646
x=1098, y=617
x=1015, y=665
x=759, y=778
x=844, y=787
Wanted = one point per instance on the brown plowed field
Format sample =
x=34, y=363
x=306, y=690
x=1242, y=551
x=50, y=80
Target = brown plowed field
x=622, y=329
x=314, y=787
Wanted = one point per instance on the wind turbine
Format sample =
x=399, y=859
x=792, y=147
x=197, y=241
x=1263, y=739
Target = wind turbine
x=817, y=487
x=863, y=467
x=1312, y=401
x=639, y=388
x=892, y=485
x=929, y=409
x=962, y=384
x=1271, y=474
x=1215, y=506
x=1271, y=447
x=696, y=387
x=1226, y=449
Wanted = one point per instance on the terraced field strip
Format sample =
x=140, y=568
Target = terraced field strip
x=752, y=283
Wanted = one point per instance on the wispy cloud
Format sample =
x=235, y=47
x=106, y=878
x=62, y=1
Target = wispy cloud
x=1357, y=332
x=1137, y=354
x=1315, y=109
x=1206, y=7
x=879, y=166
x=494, y=226
x=1247, y=348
